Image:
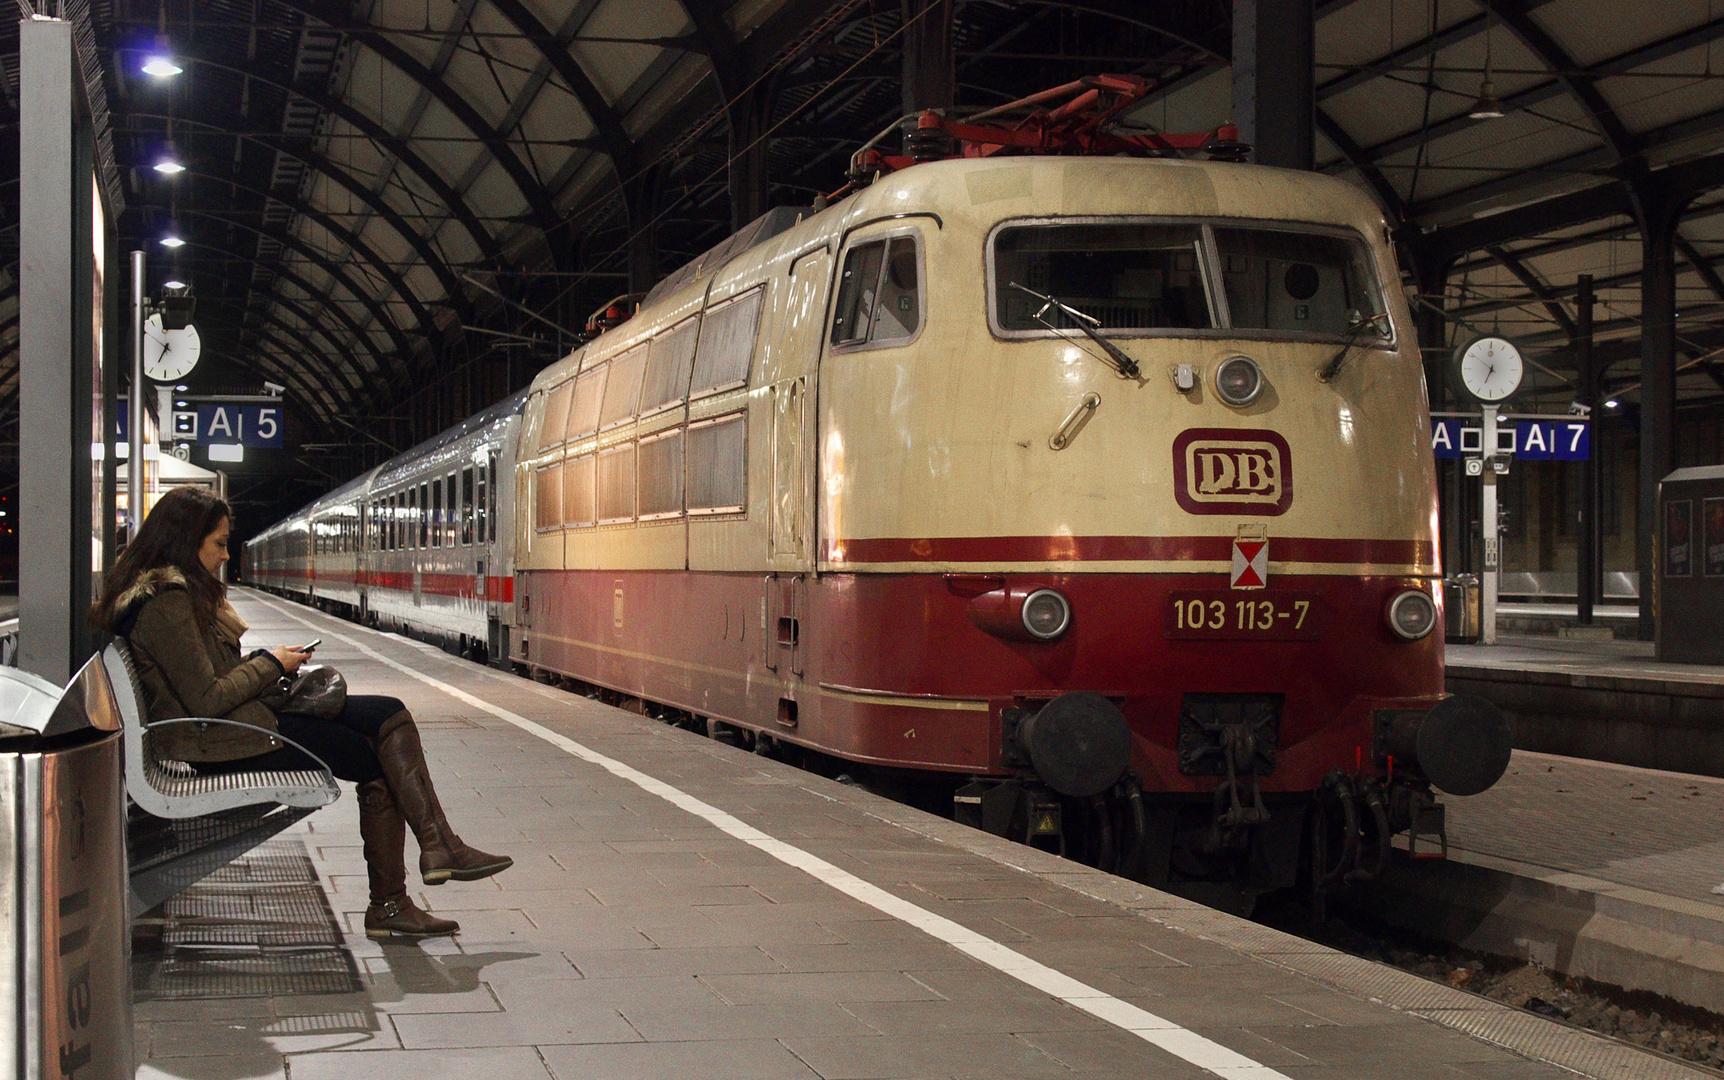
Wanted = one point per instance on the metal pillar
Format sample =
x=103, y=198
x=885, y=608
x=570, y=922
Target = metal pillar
x=1490, y=522
x=1659, y=215
x=1274, y=94
x=749, y=117
x=930, y=64
x=638, y=196
x=136, y=482
x=1586, y=534
x=59, y=365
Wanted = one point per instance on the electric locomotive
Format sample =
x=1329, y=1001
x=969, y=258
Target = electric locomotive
x=1092, y=479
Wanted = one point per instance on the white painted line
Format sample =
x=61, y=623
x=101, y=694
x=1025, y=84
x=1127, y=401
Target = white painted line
x=1158, y=1031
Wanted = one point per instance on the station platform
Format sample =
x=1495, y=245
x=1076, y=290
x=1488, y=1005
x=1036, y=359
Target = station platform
x=1589, y=869
x=1608, y=701
x=681, y=908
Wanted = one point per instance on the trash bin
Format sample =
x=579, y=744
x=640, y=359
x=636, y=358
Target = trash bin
x=65, y=991
x=1461, y=609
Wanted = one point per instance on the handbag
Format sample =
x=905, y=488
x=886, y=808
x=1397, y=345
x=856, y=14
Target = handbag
x=319, y=690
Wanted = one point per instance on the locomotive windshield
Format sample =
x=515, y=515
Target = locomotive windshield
x=1144, y=277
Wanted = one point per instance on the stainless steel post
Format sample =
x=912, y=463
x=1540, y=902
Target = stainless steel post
x=1490, y=529
x=135, y=406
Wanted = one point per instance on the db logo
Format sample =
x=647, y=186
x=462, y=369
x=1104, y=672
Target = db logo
x=1230, y=471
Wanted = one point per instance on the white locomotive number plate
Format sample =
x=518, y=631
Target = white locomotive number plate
x=1223, y=615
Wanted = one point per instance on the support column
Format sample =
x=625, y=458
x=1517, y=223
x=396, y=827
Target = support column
x=638, y=196
x=1274, y=93
x=930, y=64
x=1659, y=214
x=59, y=369
x=750, y=116
x=1586, y=528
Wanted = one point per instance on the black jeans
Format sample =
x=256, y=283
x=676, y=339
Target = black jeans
x=342, y=743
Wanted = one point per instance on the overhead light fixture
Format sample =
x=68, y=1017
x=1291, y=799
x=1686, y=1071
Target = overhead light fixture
x=171, y=241
x=168, y=167
x=161, y=67
x=1487, y=107
x=181, y=387
x=1611, y=404
x=173, y=284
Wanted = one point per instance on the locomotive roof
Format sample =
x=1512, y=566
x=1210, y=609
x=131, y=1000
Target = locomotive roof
x=1000, y=188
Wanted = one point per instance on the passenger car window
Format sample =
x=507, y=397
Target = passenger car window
x=1299, y=281
x=879, y=293
x=1128, y=276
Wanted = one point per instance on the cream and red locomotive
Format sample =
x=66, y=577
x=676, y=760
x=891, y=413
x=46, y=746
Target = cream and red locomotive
x=1097, y=485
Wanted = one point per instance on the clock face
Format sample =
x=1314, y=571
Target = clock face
x=1491, y=369
x=169, y=354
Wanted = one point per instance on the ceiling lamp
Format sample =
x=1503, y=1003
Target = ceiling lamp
x=1487, y=107
x=169, y=167
x=173, y=285
x=162, y=67
x=172, y=241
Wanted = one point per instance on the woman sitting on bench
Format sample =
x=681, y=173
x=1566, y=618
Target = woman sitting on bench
x=165, y=598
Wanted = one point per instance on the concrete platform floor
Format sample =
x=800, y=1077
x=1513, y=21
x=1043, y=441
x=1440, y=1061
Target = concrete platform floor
x=681, y=909
x=1630, y=660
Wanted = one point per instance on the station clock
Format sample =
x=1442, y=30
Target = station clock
x=1489, y=369
x=169, y=355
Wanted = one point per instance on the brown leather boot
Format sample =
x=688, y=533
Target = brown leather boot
x=442, y=855
x=384, y=834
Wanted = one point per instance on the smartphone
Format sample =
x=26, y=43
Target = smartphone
x=308, y=646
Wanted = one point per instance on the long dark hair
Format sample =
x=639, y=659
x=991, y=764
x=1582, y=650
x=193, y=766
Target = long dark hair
x=171, y=536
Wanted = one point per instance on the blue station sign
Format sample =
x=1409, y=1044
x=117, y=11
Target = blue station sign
x=1533, y=440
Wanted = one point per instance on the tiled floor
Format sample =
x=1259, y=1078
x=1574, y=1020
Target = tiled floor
x=635, y=939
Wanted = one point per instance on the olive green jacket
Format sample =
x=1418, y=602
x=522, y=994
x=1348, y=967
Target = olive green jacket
x=187, y=670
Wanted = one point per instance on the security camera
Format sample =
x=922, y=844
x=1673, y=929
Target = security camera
x=273, y=389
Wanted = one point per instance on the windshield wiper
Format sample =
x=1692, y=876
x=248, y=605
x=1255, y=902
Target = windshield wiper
x=1356, y=326
x=1087, y=323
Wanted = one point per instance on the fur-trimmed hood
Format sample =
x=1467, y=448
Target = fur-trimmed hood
x=150, y=584
x=158, y=580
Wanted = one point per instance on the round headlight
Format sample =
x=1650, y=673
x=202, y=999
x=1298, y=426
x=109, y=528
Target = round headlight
x=1412, y=615
x=1239, y=380
x=1046, y=614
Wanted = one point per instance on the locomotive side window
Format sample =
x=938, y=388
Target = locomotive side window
x=879, y=293
x=1126, y=276
x=579, y=506
x=1305, y=282
x=548, y=498
x=584, y=411
x=721, y=360
x=556, y=415
x=717, y=466
x=467, y=506
x=669, y=364
x=623, y=389
x=616, y=484
x=661, y=475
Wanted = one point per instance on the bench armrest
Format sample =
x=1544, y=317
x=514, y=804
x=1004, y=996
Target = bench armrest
x=239, y=723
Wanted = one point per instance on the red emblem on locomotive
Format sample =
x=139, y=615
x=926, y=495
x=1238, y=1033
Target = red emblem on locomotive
x=1232, y=471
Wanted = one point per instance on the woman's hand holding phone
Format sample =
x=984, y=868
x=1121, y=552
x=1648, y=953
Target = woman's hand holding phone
x=289, y=658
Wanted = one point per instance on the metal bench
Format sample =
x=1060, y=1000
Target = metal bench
x=189, y=825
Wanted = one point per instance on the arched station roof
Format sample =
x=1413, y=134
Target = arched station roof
x=382, y=197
